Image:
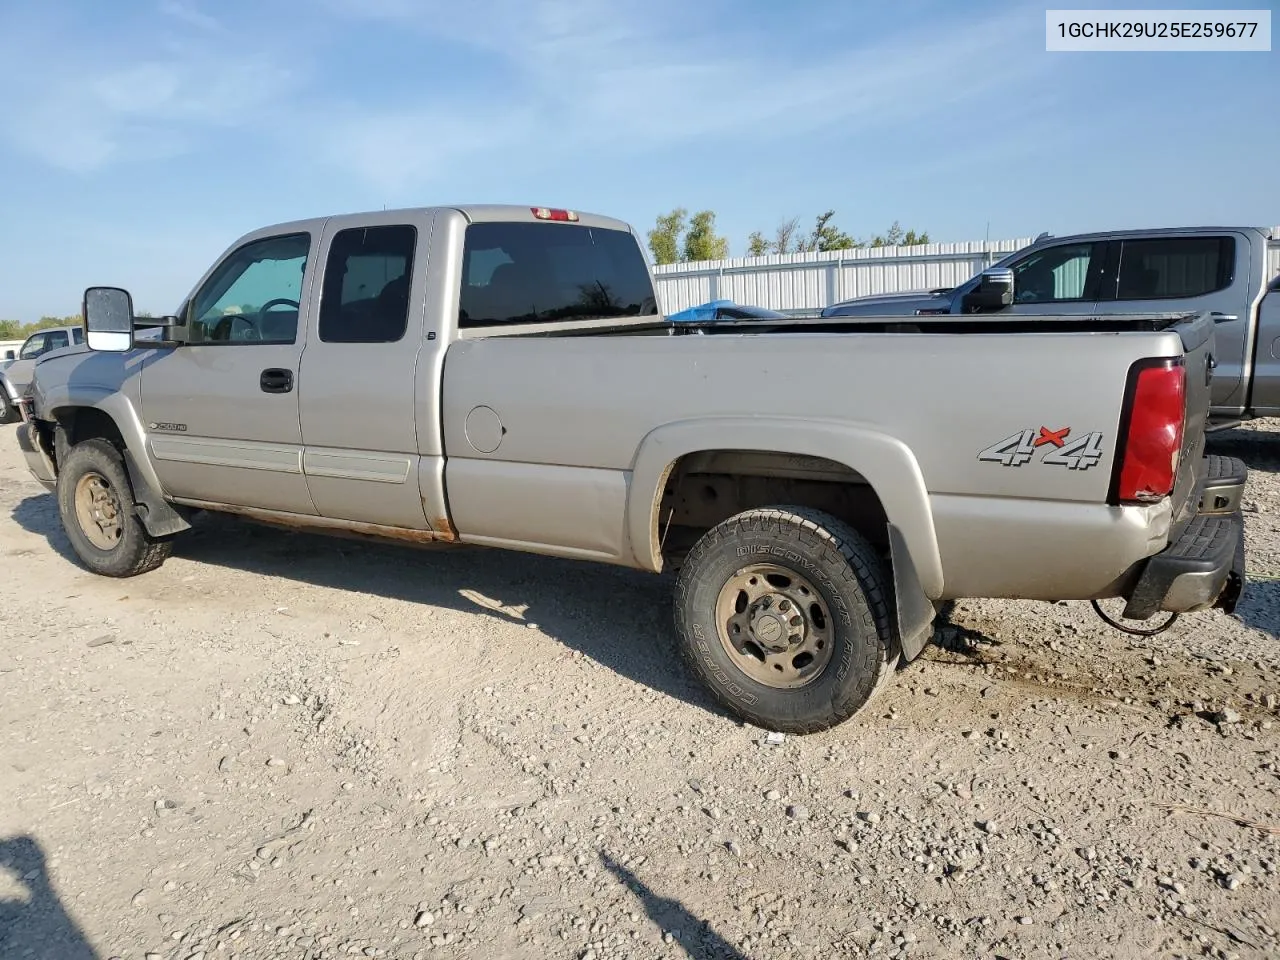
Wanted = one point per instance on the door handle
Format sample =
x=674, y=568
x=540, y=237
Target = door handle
x=275, y=380
x=1219, y=317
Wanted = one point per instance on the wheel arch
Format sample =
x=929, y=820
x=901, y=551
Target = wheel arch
x=108, y=415
x=885, y=463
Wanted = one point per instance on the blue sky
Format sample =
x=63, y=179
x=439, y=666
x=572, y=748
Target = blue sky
x=139, y=138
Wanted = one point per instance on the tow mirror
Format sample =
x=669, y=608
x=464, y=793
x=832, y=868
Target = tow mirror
x=108, y=319
x=993, y=292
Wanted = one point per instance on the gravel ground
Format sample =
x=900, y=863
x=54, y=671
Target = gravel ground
x=279, y=745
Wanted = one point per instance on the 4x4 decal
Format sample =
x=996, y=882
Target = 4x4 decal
x=1079, y=454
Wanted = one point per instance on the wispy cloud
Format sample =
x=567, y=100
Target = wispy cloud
x=157, y=102
x=192, y=16
x=625, y=76
x=640, y=75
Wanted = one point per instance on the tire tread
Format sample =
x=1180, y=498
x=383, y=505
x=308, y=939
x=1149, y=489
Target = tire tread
x=861, y=567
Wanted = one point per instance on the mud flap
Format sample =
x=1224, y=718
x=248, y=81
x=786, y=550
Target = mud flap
x=915, y=610
x=157, y=514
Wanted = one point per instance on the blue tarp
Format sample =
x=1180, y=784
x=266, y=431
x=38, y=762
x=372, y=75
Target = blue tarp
x=706, y=311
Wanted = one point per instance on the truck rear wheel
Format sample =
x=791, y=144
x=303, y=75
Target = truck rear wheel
x=95, y=501
x=785, y=614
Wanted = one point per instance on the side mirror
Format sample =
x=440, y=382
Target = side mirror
x=993, y=292
x=108, y=319
x=10, y=355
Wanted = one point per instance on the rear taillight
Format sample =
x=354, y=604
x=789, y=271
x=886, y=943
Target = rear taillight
x=1150, y=431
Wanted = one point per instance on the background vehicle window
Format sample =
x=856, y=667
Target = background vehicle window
x=77, y=335
x=55, y=340
x=1175, y=267
x=1055, y=274
x=366, y=285
x=33, y=347
x=536, y=272
x=253, y=296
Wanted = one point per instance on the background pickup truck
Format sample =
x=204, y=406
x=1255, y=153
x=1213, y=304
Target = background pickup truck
x=501, y=376
x=15, y=371
x=1222, y=270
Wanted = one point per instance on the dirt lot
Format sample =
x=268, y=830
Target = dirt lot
x=285, y=746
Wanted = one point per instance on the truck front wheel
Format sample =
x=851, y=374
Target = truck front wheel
x=786, y=614
x=95, y=501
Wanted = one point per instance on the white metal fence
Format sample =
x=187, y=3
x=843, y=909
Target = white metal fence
x=810, y=281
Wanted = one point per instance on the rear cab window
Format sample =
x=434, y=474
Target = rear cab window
x=517, y=273
x=1174, y=267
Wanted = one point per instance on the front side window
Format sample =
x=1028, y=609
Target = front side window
x=1175, y=267
x=254, y=295
x=545, y=272
x=366, y=285
x=33, y=347
x=1054, y=274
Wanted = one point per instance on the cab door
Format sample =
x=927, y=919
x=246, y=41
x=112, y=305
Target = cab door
x=222, y=409
x=1218, y=272
x=359, y=374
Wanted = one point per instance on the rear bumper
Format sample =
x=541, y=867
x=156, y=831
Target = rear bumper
x=1204, y=567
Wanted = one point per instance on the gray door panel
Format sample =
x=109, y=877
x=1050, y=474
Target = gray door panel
x=214, y=431
x=1266, y=374
x=358, y=375
x=1193, y=272
x=214, y=435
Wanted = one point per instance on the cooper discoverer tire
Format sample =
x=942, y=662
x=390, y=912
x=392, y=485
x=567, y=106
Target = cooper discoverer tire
x=95, y=502
x=786, y=614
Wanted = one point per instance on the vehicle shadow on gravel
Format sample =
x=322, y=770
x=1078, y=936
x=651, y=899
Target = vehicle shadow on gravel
x=34, y=924
x=39, y=515
x=1260, y=603
x=618, y=617
x=695, y=936
x=1259, y=449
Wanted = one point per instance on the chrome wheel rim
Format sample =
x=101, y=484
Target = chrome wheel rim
x=98, y=511
x=775, y=626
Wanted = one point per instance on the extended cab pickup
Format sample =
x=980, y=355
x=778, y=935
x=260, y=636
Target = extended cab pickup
x=1228, y=271
x=15, y=373
x=502, y=376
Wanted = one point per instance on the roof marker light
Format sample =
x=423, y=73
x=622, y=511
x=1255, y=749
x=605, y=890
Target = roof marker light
x=546, y=213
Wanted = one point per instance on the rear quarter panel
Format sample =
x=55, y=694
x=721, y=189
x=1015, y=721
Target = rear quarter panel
x=570, y=417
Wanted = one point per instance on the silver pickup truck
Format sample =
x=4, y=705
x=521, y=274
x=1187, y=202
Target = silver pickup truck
x=502, y=376
x=1226, y=271
x=16, y=369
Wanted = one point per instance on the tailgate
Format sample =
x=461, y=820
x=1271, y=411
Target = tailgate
x=1197, y=344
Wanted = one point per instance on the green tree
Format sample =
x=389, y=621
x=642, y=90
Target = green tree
x=664, y=238
x=784, y=236
x=825, y=236
x=9, y=329
x=701, y=242
x=895, y=236
x=757, y=245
